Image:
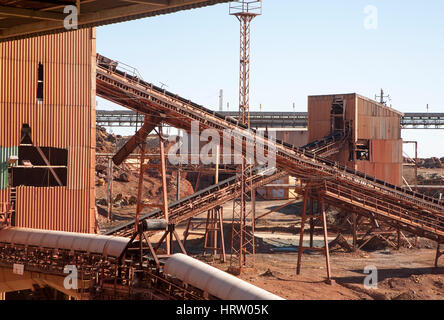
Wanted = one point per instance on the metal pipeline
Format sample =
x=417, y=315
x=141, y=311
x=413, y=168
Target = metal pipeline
x=214, y=281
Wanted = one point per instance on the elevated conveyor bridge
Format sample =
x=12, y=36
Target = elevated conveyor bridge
x=339, y=185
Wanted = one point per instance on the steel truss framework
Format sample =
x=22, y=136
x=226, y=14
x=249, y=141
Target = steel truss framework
x=266, y=119
x=131, y=276
x=339, y=186
x=321, y=216
x=243, y=221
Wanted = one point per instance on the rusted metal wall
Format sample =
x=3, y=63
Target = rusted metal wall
x=380, y=125
x=65, y=119
x=376, y=121
x=319, y=108
x=298, y=138
x=371, y=121
x=295, y=136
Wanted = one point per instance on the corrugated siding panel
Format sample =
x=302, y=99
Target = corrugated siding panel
x=385, y=162
x=379, y=128
x=318, y=116
x=4, y=198
x=377, y=122
x=386, y=151
x=65, y=119
x=54, y=208
x=319, y=108
x=390, y=172
x=295, y=138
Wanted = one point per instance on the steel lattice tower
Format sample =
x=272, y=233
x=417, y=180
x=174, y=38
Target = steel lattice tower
x=242, y=241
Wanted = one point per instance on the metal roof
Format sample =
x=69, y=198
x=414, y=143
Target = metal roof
x=28, y=18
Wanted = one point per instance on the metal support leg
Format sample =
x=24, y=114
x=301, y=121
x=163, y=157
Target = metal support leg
x=301, y=234
x=178, y=185
x=214, y=232
x=186, y=232
x=164, y=189
x=438, y=254
x=354, y=230
x=173, y=231
x=311, y=222
x=222, y=238
x=140, y=188
x=398, y=245
x=109, y=189
x=208, y=230
x=327, y=253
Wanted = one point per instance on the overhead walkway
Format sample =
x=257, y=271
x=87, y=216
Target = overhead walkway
x=267, y=119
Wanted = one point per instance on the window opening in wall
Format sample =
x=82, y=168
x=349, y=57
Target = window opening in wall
x=25, y=134
x=362, y=150
x=39, y=166
x=40, y=83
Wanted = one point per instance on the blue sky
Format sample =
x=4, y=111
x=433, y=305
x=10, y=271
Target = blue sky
x=299, y=48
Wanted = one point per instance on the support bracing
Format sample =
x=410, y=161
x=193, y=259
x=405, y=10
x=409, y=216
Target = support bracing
x=311, y=222
x=343, y=187
x=193, y=227
x=212, y=230
x=438, y=253
x=169, y=234
x=321, y=216
x=170, y=230
x=243, y=221
x=142, y=168
x=214, y=233
x=109, y=189
x=168, y=238
x=354, y=230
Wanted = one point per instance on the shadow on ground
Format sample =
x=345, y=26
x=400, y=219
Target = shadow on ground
x=390, y=273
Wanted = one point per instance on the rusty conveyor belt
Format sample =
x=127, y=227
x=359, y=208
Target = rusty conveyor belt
x=328, y=145
x=341, y=186
x=214, y=195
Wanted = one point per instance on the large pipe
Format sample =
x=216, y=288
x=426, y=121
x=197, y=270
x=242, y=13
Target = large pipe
x=214, y=281
x=91, y=243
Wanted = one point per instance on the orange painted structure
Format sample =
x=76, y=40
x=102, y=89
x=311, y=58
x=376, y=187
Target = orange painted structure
x=375, y=144
x=48, y=83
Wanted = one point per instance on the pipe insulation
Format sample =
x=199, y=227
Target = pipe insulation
x=214, y=281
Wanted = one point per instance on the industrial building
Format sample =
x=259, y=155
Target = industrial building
x=374, y=144
x=48, y=125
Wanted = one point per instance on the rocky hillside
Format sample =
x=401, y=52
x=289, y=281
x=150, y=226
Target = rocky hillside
x=125, y=177
x=428, y=163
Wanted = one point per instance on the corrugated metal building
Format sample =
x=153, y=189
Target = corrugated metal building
x=47, y=100
x=375, y=145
